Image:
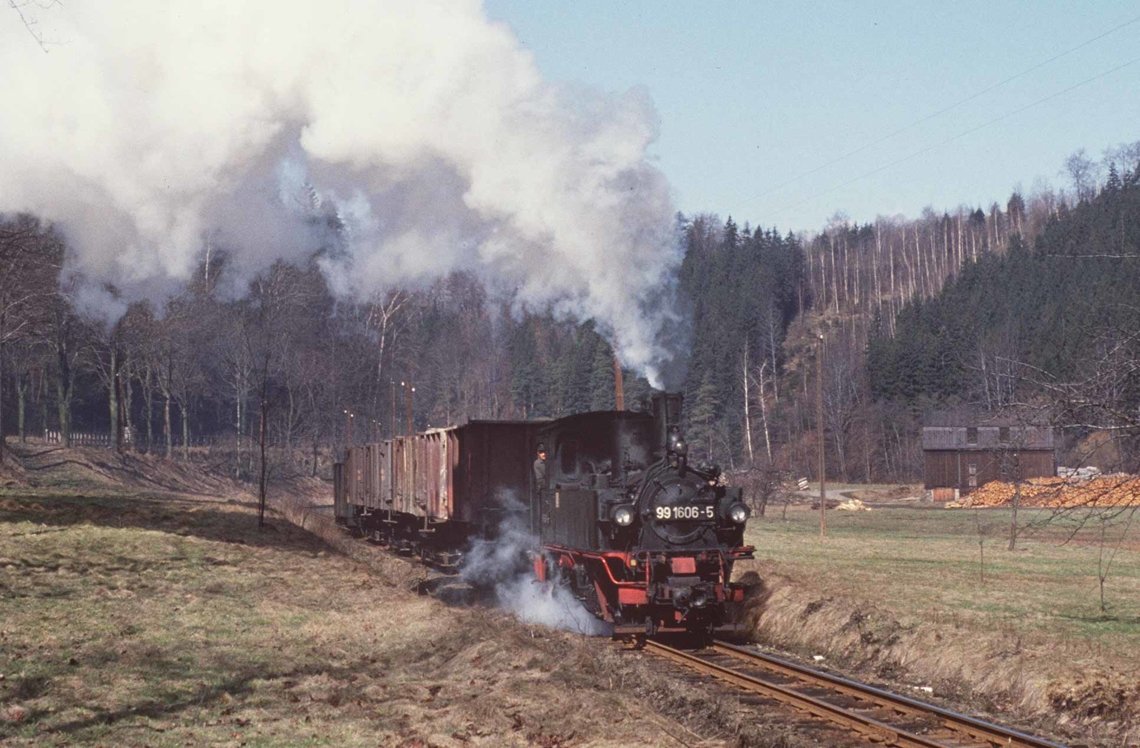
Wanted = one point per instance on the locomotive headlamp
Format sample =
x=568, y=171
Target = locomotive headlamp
x=623, y=515
x=738, y=513
x=677, y=443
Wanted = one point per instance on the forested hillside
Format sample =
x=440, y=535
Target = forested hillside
x=1052, y=328
x=950, y=311
x=1050, y=308
x=985, y=309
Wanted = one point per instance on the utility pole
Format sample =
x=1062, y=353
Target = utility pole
x=747, y=414
x=348, y=416
x=409, y=395
x=819, y=433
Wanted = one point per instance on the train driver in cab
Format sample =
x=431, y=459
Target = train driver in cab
x=540, y=468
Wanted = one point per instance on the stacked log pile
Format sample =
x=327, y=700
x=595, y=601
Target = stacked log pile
x=1100, y=491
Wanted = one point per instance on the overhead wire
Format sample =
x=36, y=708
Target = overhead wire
x=948, y=108
x=962, y=134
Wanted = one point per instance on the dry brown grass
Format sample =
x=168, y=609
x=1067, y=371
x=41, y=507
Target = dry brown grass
x=897, y=596
x=133, y=617
x=145, y=617
x=151, y=621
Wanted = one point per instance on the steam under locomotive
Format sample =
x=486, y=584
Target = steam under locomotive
x=644, y=539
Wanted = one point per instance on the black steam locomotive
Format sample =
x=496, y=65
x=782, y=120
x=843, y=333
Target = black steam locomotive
x=644, y=539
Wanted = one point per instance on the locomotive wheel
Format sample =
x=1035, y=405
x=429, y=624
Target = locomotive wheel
x=634, y=642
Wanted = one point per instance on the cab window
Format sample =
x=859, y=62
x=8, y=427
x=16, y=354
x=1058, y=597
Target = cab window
x=568, y=458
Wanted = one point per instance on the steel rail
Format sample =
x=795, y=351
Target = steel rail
x=975, y=729
x=874, y=730
x=855, y=719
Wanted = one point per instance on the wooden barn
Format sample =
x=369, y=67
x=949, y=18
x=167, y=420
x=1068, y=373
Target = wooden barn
x=958, y=459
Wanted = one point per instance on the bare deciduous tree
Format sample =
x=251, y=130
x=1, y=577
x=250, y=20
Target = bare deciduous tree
x=1083, y=173
x=30, y=259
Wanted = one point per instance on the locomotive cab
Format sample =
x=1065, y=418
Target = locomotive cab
x=595, y=455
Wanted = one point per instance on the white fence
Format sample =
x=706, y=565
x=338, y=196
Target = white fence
x=81, y=439
x=104, y=439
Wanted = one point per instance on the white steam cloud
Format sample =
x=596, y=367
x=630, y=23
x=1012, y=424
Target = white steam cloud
x=495, y=563
x=149, y=128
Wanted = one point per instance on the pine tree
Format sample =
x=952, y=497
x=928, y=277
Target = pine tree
x=524, y=371
x=602, y=379
x=636, y=390
x=702, y=417
x=1113, y=184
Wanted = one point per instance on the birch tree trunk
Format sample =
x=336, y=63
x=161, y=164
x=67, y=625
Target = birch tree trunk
x=875, y=256
x=764, y=415
x=834, y=278
x=128, y=401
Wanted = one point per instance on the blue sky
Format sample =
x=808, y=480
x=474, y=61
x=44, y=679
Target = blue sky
x=762, y=103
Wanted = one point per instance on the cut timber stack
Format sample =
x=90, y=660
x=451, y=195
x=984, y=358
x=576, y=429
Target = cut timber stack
x=1101, y=491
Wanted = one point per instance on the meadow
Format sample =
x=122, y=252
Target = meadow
x=930, y=599
x=957, y=562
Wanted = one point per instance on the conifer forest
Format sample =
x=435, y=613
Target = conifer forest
x=1029, y=309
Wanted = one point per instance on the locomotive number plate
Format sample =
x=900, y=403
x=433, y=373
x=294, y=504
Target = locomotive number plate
x=685, y=512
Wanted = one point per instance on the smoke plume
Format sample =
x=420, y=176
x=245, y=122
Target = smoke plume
x=149, y=130
x=499, y=563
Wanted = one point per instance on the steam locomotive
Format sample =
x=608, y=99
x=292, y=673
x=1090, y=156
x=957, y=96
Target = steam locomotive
x=645, y=540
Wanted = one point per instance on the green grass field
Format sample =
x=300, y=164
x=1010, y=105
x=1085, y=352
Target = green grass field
x=931, y=599
x=955, y=563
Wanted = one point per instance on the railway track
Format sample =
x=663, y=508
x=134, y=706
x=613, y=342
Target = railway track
x=877, y=716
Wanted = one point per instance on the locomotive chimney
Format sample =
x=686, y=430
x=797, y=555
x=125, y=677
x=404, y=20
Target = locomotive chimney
x=666, y=414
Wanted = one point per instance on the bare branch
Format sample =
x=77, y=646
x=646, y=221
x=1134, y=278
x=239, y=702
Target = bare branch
x=30, y=22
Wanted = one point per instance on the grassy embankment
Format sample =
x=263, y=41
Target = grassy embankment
x=153, y=620
x=158, y=620
x=140, y=605
x=932, y=597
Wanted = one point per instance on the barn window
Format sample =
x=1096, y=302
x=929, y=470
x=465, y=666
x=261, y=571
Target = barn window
x=1003, y=434
x=972, y=469
x=972, y=435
